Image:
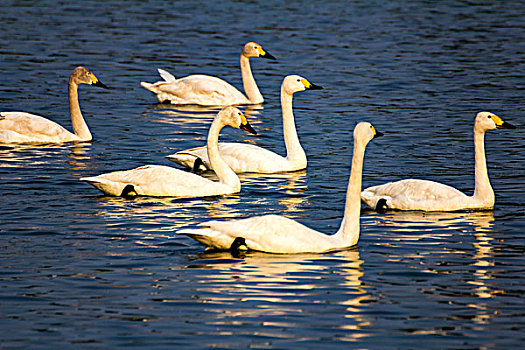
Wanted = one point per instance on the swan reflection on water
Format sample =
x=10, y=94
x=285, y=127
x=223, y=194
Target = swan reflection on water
x=178, y=115
x=278, y=285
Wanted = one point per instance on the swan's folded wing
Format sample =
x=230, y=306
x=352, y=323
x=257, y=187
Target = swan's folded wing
x=413, y=194
x=159, y=180
x=30, y=125
x=240, y=157
x=269, y=233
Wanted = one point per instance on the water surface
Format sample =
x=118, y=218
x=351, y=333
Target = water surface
x=82, y=270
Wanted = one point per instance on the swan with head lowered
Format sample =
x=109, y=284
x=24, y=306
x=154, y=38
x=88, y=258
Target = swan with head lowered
x=159, y=180
x=208, y=90
x=243, y=157
x=278, y=234
x=22, y=127
x=412, y=194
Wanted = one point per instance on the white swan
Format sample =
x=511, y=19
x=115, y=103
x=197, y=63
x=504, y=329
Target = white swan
x=159, y=180
x=243, y=158
x=427, y=195
x=278, y=234
x=22, y=127
x=207, y=90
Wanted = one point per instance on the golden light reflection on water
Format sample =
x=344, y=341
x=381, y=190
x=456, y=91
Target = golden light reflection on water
x=192, y=114
x=282, y=285
x=435, y=228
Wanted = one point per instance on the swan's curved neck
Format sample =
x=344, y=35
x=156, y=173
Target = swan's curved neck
x=483, y=190
x=79, y=124
x=221, y=168
x=348, y=233
x=248, y=82
x=294, y=151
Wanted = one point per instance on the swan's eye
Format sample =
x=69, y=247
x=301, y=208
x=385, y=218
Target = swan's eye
x=490, y=117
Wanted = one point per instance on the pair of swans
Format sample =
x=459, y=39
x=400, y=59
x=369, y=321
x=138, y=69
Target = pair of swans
x=243, y=158
x=278, y=234
x=413, y=194
x=159, y=180
x=22, y=127
x=207, y=90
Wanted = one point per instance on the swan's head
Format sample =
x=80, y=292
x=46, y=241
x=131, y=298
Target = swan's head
x=82, y=75
x=365, y=132
x=489, y=121
x=294, y=83
x=232, y=116
x=252, y=49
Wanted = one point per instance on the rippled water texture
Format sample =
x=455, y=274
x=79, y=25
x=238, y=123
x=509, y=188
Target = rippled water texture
x=80, y=270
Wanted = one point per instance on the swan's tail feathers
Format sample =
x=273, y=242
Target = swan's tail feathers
x=148, y=86
x=188, y=160
x=108, y=187
x=209, y=237
x=168, y=77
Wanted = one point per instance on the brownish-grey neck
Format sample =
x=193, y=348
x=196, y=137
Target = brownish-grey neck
x=77, y=120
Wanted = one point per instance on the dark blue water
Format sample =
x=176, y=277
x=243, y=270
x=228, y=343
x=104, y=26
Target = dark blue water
x=81, y=270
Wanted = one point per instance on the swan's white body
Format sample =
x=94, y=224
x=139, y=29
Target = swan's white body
x=277, y=234
x=207, y=90
x=243, y=158
x=427, y=195
x=22, y=127
x=158, y=180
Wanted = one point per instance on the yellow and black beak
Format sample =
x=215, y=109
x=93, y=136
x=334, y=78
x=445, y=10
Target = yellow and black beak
x=377, y=133
x=246, y=126
x=310, y=86
x=96, y=82
x=505, y=125
x=265, y=54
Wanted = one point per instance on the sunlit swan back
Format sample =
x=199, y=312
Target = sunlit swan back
x=278, y=234
x=159, y=180
x=242, y=157
x=427, y=195
x=207, y=90
x=22, y=127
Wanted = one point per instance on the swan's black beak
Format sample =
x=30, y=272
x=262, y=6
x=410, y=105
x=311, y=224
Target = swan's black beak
x=96, y=82
x=246, y=126
x=505, y=125
x=314, y=87
x=268, y=55
x=378, y=134
x=100, y=84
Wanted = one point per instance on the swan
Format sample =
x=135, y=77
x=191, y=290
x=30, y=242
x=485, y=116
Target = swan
x=159, y=180
x=22, y=127
x=207, y=90
x=412, y=194
x=278, y=234
x=243, y=158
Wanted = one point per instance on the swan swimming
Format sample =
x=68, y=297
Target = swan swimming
x=208, y=90
x=159, y=180
x=22, y=127
x=243, y=157
x=412, y=194
x=278, y=234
